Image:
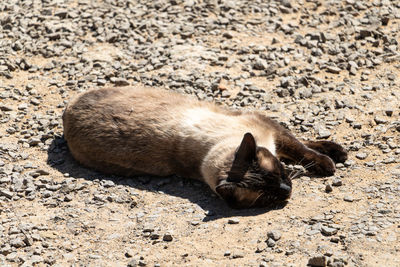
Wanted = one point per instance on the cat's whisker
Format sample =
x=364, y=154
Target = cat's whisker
x=297, y=174
x=299, y=163
x=290, y=174
x=309, y=165
x=260, y=195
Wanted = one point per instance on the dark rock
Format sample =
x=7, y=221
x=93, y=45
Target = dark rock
x=317, y=261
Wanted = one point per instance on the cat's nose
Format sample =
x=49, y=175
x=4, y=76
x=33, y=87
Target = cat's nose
x=285, y=187
x=285, y=190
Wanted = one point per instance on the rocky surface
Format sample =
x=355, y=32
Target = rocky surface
x=325, y=69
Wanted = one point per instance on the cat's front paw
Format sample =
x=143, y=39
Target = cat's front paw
x=335, y=151
x=323, y=165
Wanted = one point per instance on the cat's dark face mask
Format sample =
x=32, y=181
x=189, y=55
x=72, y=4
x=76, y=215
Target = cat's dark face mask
x=256, y=178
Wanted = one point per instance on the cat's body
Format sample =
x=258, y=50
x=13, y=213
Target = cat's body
x=137, y=131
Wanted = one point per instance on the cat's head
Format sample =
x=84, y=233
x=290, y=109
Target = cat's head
x=254, y=178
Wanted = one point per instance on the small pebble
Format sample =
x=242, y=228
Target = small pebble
x=337, y=182
x=348, y=199
x=233, y=221
x=361, y=155
x=275, y=235
x=328, y=188
x=317, y=261
x=167, y=237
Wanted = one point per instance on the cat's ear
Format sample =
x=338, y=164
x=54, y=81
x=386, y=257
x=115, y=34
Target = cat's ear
x=226, y=191
x=247, y=149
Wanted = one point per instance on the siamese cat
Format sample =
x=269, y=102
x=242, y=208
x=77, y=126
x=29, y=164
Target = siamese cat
x=133, y=131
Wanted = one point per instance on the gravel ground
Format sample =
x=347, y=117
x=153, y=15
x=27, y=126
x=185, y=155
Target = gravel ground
x=325, y=69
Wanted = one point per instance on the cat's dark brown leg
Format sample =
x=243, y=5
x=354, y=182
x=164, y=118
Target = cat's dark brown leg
x=335, y=151
x=289, y=147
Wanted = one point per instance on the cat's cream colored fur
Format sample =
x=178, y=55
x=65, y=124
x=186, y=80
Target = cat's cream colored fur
x=135, y=131
x=183, y=127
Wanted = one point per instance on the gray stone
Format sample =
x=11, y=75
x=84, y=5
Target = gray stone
x=396, y=172
x=337, y=182
x=22, y=106
x=271, y=243
x=17, y=242
x=35, y=102
x=323, y=133
x=94, y=256
x=107, y=183
x=260, y=65
x=119, y=81
x=35, y=259
x=380, y=120
x=237, y=255
x=332, y=69
x=274, y=234
x=361, y=155
x=348, y=199
x=142, y=263
x=132, y=263
x=328, y=231
x=34, y=141
x=5, y=107
x=4, y=192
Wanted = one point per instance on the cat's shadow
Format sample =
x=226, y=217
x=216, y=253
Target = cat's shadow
x=196, y=192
